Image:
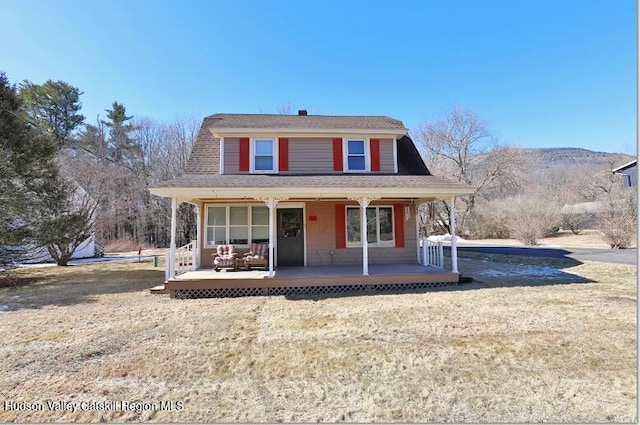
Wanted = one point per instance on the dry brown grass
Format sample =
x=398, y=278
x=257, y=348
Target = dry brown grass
x=564, y=238
x=482, y=352
x=125, y=245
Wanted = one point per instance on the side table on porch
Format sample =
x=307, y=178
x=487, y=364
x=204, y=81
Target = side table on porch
x=241, y=263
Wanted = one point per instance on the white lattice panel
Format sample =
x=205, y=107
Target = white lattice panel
x=304, y=290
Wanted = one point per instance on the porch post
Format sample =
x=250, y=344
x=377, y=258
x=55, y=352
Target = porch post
x=364, y=203
x=172, y=246
x=196, y=248
x=425, y=252
x=271, y=203
x=454, y=243
x=419, y=258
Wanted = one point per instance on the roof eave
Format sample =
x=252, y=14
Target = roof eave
x=241, y=132
x=623, y=167
x=306, y=192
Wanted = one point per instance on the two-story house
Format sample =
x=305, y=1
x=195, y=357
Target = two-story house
x=312, y=187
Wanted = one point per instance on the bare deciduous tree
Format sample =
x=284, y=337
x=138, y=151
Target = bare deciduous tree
x=618, y=218
x=460, y=146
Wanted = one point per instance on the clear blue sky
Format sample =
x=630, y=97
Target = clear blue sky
x=543, y=73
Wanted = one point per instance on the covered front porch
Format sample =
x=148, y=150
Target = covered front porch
x=308, y=280
x=321, y=227
x=316, y=243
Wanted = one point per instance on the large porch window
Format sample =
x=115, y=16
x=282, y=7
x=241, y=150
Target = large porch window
x=237, y=225
x=379, y=226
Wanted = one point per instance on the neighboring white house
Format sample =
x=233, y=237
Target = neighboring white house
x=40, y=254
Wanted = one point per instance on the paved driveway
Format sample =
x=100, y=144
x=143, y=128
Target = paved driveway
x=620, y=256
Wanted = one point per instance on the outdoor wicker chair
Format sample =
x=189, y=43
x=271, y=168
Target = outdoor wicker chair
x=257, y=255
x=225, y=257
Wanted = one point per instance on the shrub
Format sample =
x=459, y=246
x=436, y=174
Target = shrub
x=618, y=221
x=489, y=220
x=577, y=221
x=531, y=218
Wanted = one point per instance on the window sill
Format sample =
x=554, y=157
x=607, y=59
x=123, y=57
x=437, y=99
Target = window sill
x=391, y=245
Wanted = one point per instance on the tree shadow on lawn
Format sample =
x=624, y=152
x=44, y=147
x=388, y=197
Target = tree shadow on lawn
x=73, y=286
x=487, y=271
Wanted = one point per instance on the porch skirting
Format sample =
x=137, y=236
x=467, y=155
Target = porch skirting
x=308, y=281
x=304, y=290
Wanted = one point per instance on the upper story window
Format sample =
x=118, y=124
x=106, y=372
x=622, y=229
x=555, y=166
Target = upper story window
x=263, y=160
x=356, y=155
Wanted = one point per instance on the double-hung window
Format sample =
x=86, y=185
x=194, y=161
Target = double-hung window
x=237, y=225
x=356, y=154
x=264, y=156
x=217, y=226
x=379, y=226
x=259, y=224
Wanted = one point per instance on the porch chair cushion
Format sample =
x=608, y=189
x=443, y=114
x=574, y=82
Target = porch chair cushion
x=225, y=256
x=257, y=255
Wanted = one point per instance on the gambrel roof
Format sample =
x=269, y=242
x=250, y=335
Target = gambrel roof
x=202, y=173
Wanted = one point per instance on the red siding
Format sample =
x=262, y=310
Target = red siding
x=337, y=154
x=283, y=154
x=375, y=155
x=341, y=226
x=398, y=221
x=244, y=154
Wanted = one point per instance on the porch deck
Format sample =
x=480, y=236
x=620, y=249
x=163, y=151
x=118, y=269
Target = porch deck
x=306, y=280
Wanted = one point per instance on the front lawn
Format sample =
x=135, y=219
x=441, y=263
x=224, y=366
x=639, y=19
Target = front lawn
x=93, y=336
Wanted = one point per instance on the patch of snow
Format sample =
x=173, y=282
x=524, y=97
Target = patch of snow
x=526, y=270
x=445, y=238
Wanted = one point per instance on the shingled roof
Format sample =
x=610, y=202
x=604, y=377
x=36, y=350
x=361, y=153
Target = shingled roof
x=238, y=121
x=324, y=180
x=205, y=154
x=253, y=185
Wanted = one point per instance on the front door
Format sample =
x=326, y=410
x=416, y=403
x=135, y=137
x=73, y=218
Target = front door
x=290, y=237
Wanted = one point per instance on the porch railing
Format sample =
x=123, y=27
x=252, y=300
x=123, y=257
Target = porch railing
x=432, y=253
x=185, y=259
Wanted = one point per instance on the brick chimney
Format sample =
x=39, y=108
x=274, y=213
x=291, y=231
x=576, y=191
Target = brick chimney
x=302, y=112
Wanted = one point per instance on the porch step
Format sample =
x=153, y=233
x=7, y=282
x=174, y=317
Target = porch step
x=160, y=289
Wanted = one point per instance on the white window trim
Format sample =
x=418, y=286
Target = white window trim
x=208, y=244
x=252, y=158
x=222, y=155
x=395, y=156
x=378, y=243
x=367, y=154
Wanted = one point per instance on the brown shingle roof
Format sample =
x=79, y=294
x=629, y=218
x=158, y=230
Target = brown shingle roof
x=205, y=154
x=228, y=121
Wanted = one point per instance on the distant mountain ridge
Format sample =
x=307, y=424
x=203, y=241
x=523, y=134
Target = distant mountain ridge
x=550, y=158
